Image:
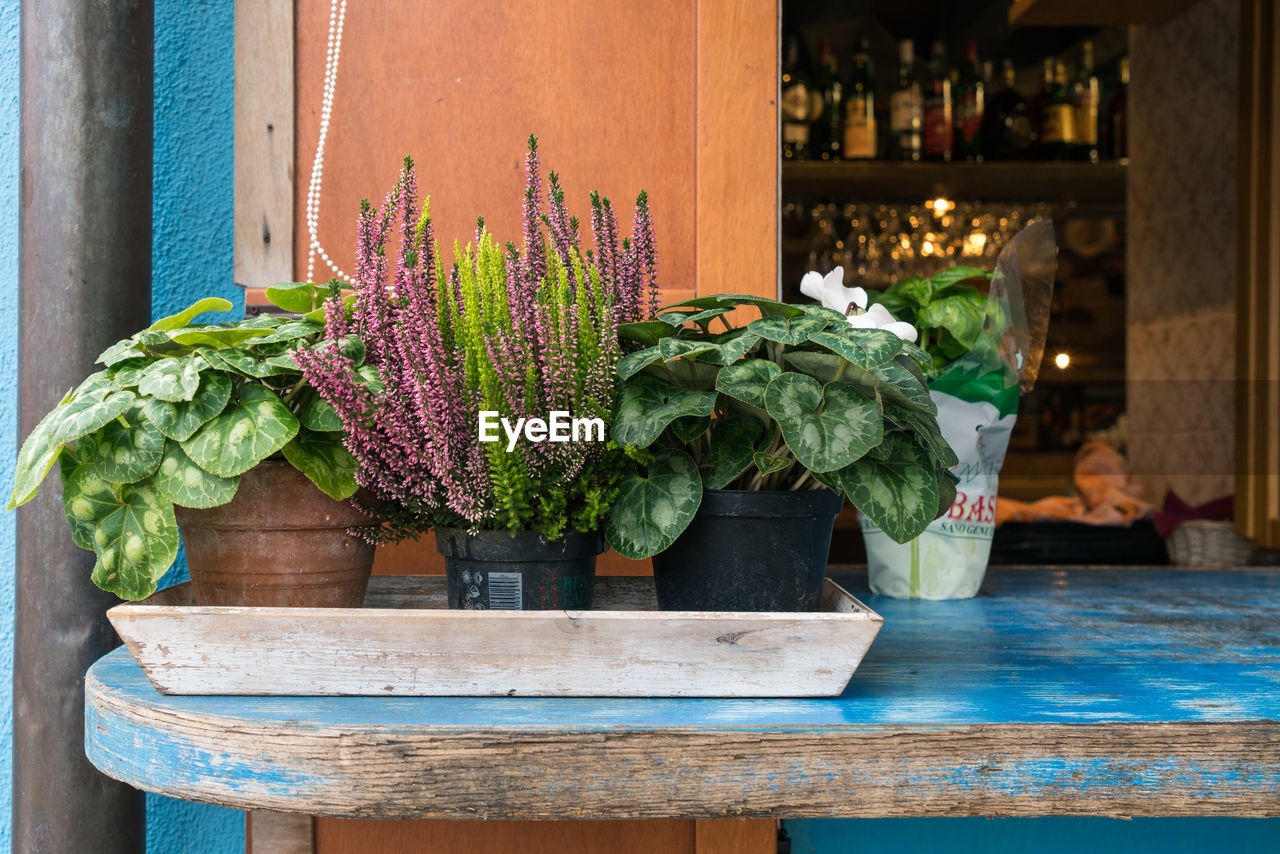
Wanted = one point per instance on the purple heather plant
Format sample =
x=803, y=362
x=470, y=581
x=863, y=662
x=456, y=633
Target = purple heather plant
x=521, y=331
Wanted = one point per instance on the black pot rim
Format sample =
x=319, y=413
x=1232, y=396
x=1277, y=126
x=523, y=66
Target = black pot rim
x=770, y=504
x=521, y=546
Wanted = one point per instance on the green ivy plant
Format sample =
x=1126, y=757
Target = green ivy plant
x=795, y=399
x=953, y=317
x=179, y=411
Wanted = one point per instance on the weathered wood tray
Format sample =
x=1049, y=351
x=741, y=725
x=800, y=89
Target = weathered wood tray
x=404, y=642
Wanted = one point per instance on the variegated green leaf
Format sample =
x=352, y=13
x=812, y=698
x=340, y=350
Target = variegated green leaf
x=926, y=428
x=864, y=347
x=318, y=414
x=787, y=330
x=690, y=427
x=894, y=383
x=632, y=363
x=37, y=456
x=128, y=374
x=655, y=506
x=702, y=318
x=171, y=379
x=246, y=433
x=184, y=317
x=746, y=380
x=769, y=464
x=899, y=494
x=647, y=406
x=904, y=384
x=768, y=307
x=243, y=363
x=731, y=346
x=87, y=499
x=119, y=351
x=136, y=542
x=826, y=427
x=291, y=331
x=217, y=337
x=681, y=348
x=126, y=453
x=323, y=459
x=187, y=485
x=732, y=446
x=180, y=420
x=86, y=413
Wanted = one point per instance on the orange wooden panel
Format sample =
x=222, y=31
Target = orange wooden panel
x=736, y=836
x=347, y=836
x=607, y=87
x=737, y=183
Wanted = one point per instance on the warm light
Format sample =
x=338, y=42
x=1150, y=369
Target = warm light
x=941, y=206
x=1062, y=360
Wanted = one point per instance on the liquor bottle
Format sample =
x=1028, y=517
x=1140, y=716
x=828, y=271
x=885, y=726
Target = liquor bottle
x=795, y=105
x=938, y=121
x=1084, y=97
x=906, y=107
x=1039, y=106
x=827, y=133
x=1007, y=133
x=1117, y=117
x=970, y=102
x=1057, y=133
x=860, y=109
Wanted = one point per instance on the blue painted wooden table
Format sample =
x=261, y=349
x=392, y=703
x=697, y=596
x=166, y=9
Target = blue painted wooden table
x=1055, y=692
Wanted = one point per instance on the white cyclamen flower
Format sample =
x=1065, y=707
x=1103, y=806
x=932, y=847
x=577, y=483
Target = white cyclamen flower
x=878, y=317
x=831, y=292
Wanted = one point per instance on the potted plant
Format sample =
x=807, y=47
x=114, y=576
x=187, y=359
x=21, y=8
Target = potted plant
x=481, y=409
x=984, y=335
x=211, y=430
x=743, y=439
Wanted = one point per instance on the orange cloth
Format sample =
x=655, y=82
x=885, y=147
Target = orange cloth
x=1105, y=494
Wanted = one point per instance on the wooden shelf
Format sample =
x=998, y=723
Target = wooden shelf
x=1094, y=184
x=1092, y=13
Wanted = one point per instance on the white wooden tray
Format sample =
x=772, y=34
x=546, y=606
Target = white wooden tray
x=404, y=642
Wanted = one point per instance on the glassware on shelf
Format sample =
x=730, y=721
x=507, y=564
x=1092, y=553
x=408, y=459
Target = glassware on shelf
x=826, y=251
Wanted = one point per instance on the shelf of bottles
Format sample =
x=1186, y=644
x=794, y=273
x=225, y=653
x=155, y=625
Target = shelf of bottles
x=954, y=133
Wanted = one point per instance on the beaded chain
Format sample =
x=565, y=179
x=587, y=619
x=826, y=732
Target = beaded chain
x=337, y=14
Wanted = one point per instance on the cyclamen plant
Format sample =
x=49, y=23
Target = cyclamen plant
x=522, y=332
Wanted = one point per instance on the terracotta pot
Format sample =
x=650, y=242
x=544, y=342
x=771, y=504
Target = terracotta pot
x=280, y=542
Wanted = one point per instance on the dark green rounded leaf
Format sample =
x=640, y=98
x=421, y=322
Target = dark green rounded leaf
x=318, y=414
x=646, y=332
x=731, y=346
x=654, y=507
x=187, y=485
x=171, y=379
x=826, y=427
x=323, y=459
x=648, y=405
x=746, y=380
x=682, y=348
x=632, y=363
x=900, y=494
x=246, y=433
x=768, y=307
x=690, y=427
x=732, y=446
x=136, y=542
x=180, y=420
x=701, y=318
x=124, y=453
x=769, y=464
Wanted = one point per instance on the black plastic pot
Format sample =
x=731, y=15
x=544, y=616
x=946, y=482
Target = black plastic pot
x=492, y=570
x=750, y=551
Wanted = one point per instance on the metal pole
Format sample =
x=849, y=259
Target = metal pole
x=85, y=275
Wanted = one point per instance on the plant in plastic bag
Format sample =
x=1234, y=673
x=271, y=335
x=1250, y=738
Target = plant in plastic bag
x=797, y=398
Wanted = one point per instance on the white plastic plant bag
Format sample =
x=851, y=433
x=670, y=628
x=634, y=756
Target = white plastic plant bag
x=986, y=349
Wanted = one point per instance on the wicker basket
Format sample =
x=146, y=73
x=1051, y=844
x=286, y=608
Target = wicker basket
x=1200, y=542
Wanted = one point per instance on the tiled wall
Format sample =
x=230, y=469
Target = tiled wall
x=1181, y=264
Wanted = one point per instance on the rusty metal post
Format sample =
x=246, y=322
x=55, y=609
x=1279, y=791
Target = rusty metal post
x=85, y=277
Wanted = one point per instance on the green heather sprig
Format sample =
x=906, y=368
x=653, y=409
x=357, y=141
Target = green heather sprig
x=520, y=332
